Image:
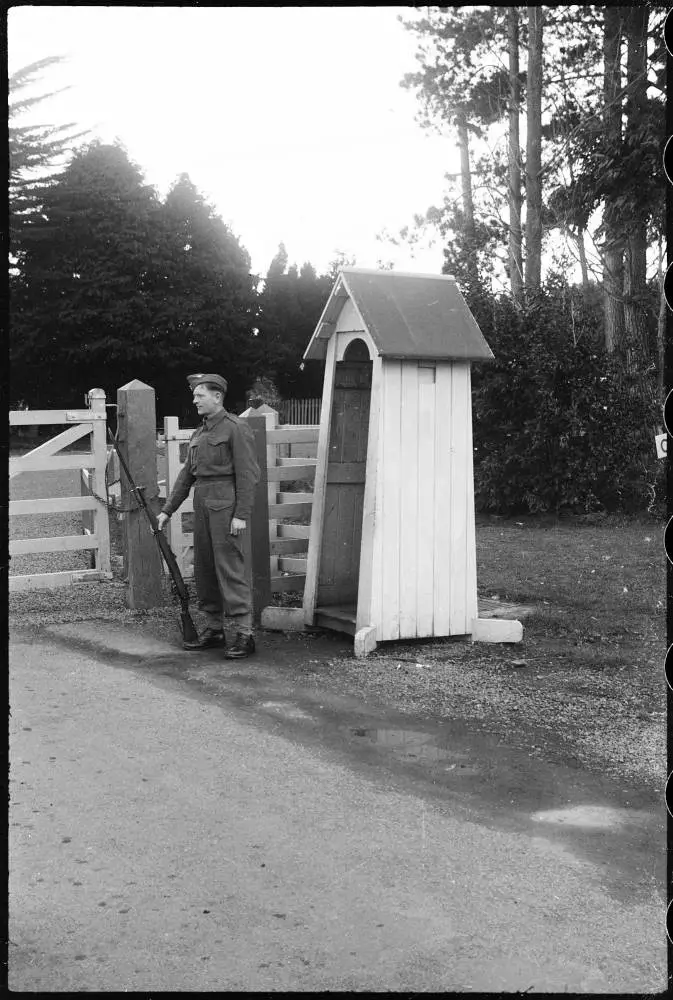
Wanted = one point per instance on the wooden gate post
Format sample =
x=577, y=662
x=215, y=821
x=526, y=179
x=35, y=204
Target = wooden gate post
x=258, y=534
x=100, y=522
x=136, y=416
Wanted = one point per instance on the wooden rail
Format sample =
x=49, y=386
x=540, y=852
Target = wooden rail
x=90, y=422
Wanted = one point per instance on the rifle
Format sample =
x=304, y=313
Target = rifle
x=189, y=632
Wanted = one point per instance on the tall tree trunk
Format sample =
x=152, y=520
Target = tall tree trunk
x=661, y=329
x=635, y=302
x=515, y=198
x=635, y=262
x=534, y=151
x=581, y=223
x=581, y=250
x=613, y=254
x=468, y=202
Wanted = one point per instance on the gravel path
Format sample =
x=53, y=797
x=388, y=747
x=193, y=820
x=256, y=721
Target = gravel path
x=607, y=724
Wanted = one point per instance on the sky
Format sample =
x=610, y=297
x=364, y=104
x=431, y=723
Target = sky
x=291, y=121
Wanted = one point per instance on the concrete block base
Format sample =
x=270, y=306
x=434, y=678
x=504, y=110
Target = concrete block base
x=283, y=619
x=365, y=641
x=497, y=630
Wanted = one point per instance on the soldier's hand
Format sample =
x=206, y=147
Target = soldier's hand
x=161, y=521
x=237, y=526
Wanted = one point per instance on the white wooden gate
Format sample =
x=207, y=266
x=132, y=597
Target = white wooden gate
x=91, y=420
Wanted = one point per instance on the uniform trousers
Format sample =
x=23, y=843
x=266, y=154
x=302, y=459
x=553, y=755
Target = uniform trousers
x=220, y=572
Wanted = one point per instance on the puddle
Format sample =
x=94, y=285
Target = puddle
x=288, y=711
x=411, y=744
x=603, y=817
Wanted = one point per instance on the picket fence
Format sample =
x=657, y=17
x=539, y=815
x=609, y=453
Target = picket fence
x=300, y=411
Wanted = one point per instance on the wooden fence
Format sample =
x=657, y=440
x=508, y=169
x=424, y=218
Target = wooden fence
x=289, y=509
x=300, y=411
x=83, y=422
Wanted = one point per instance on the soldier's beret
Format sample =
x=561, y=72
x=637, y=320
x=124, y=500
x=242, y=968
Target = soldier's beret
x=194, y=380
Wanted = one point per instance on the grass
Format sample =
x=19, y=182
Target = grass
x=592, y=584
x=599, y=590
x=607, y=570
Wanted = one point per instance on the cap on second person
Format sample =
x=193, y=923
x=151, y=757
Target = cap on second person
x=194, y=380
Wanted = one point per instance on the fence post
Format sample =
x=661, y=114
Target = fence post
x=257, y=538
x=101, y=523
x=271, y=419
x=136, y=415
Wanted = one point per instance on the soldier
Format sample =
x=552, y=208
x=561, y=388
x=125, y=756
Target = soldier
x=223, y=468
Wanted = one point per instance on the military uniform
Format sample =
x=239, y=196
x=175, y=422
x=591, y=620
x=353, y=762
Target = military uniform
x=222, y=466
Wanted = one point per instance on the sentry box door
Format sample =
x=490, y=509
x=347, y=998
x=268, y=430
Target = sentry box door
x=345, y=483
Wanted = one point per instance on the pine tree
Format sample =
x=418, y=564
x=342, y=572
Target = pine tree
x=587, y=172
x=635, y=136
x=80, y=305
x=515, y=258
x=291, y=302
x=36, y=152
x=533, y=183
x=115, y=285
x=613, y=255
x=461, y=86
x=206, y=294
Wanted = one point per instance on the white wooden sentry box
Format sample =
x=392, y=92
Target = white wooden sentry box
x=392, y=550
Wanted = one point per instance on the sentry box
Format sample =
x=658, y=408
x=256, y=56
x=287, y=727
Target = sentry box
x=392, y=551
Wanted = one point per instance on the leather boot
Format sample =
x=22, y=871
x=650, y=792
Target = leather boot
x=210, y=638
x=243, y=645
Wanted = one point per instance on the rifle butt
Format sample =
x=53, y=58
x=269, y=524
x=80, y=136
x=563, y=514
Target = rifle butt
x=189, y=633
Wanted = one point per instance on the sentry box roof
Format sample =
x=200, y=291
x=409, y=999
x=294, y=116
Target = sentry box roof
x=417, y=316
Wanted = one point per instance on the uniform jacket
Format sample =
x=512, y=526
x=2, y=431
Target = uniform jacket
x=223, y=445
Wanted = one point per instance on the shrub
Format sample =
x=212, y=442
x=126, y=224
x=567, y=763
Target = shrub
x=557, y=421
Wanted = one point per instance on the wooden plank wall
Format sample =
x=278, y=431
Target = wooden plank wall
x=424, y=563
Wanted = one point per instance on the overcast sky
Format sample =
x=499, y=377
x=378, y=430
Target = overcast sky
x=291, y=121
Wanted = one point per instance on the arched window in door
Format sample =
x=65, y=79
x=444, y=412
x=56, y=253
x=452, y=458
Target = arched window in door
x=357, y=350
